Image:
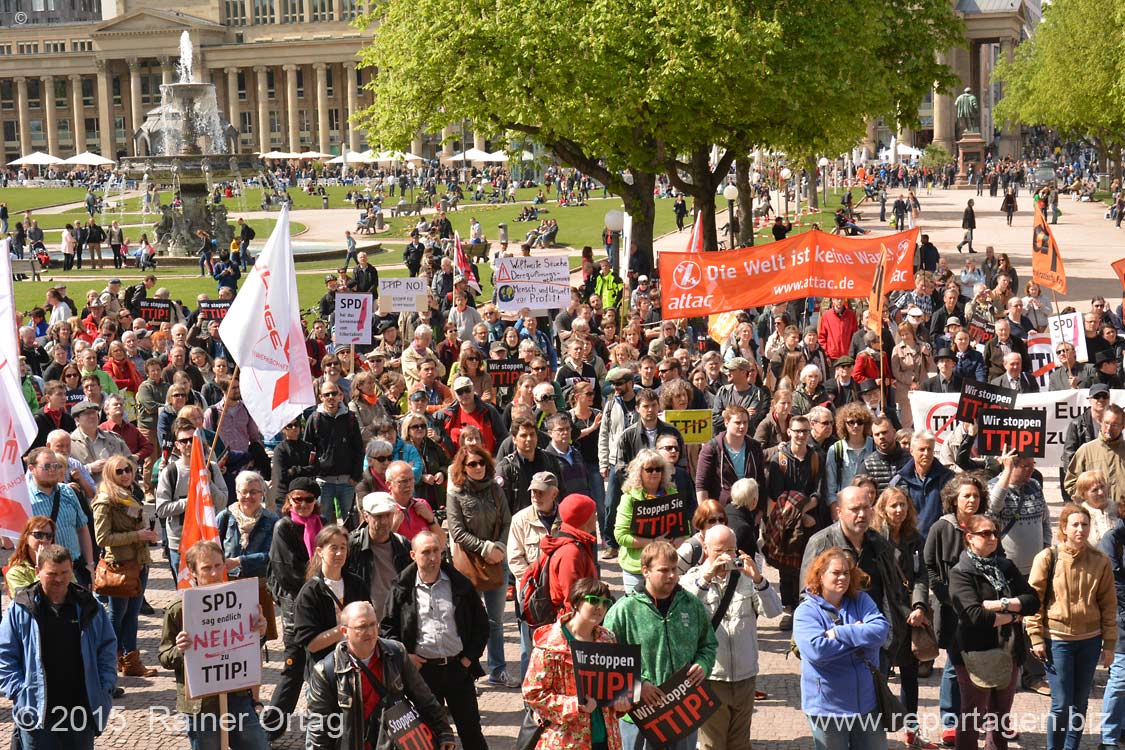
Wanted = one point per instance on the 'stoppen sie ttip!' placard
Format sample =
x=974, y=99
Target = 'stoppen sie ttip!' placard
x=811, y=264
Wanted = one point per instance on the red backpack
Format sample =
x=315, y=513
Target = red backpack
x=536, y=607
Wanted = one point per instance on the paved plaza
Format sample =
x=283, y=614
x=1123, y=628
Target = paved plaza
x=1088, y=244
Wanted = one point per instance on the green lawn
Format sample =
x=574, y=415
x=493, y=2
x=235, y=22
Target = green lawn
x=20, y=199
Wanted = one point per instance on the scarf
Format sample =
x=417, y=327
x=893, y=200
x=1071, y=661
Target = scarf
x=312, y=525
x=245, y=524
x=990, y=569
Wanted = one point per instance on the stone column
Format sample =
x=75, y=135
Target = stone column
x=232, y=104
x=105, y=110
x=351, y=80
x=322, y=105
x=263, y=110
x=904, y=137
x=1009, y=133
x=166, y=69
x=47, y=87
x=78, y=127
x=478, y=140
x=291, y=106
x=870, y=132
x=136, y=111
x=24, y=115
x=416, y=146
x=446, y=146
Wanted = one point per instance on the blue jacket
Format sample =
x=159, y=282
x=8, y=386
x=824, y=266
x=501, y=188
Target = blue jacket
x=1113, y=544
x=926, y=493
x=22, y=678
x=835, y=680
x=256, y=555
x=970, y=365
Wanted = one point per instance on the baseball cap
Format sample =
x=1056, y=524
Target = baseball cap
x=737, y=363
x=1099, y=389
x=1104, y=356
x=461, y=382
x=954, y=321
x=543, y=480
x=642, y=278
x=418, y=394
x=114, y=280
x=330, y=277
x=914, y=312
x=376, y=503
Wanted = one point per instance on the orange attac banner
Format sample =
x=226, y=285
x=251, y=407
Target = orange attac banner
x=812, y=264
x=1046, y=263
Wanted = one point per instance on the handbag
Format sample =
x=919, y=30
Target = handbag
x=924, y=643
x=989, y=669
x=484, y=576
x=118, y=579
x=530, y=731
x=892, y=714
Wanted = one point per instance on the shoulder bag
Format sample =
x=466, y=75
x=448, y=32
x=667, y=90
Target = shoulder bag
x=892, y=714
x=118, y=580
x=484, y=576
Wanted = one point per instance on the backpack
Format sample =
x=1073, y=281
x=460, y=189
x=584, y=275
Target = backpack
x=250, y=233
x=536, y=607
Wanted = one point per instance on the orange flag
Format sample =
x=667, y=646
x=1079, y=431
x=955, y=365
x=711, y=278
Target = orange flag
x=1119, y=267
x=199, y=516
x=877, y=301
x=1046, y=262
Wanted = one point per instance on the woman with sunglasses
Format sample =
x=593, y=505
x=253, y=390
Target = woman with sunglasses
x=648, y=476
x=38, y=532
x=470, y=364
x=415, y=431
x=120, y=530
x=293, y=545
x=990, y=598
x=365, y=403
x=846, y=456
x=378, y=454
x=72, y=379
x=549, y=688
x=333, y=375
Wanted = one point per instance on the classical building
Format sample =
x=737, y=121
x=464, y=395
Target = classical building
x=83, y=77
x=993, y=28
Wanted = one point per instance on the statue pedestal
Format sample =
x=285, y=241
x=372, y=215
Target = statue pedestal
x=970, y=153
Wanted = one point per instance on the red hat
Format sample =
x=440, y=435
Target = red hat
x=575, y=510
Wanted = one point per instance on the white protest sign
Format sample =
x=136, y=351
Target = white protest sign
x=353, y=318
x=225, y=651
x=1068, y=329
x=540, y=281
x=402, y=295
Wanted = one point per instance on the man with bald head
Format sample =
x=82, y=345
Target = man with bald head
x=436, y=613
x=355, y=675
x=1014, y=377
x=735, y=672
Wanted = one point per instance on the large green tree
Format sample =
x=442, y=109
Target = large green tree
x=1068, y=76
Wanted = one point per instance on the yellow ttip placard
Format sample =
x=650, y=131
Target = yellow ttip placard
x=693, y=424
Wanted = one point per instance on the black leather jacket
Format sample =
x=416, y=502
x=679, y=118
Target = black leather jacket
x=336, y=700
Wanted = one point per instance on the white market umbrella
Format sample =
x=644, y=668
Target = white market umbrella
x=280, y=155
x=351, y=157
x=35, y=159
x=909, y=151
x=87, y=159
x=473, y=154
x=313, y=155
x=383, y=156
x=497, y=156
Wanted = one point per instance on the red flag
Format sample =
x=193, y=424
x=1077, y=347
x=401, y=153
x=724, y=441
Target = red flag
x=1046, y=262
x=695, y=239
x=464, y=268
x=1119, y=267
x=875, y=303
x=199, y=515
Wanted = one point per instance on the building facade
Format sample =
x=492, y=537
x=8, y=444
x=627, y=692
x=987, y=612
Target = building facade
x=73, y=80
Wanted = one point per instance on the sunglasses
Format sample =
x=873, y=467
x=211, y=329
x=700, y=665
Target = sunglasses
x=43, y=536
x=380, y=458
x=464, y=391
x=330, y=394
x=598, y=601
x=474, y=359
x=184, y=441
x=668, y=448
x=988, y=534
x=302, y=499
x=331, y=364
x=174, y=395
x=417, y=427
x=654, y=470
x=124, y=470
x=853, y=422
x=473, y=464
x=713, y=520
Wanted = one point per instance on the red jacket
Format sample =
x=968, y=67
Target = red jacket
x=570, y=563
x=124, y=374
x=835, y=331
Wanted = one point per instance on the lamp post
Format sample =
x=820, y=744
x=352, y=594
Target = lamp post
x=614, y=223
x=824, y=181
x=785, y=175
x=755, y=178
x=730, y=192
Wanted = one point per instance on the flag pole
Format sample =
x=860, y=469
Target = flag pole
x=222, y=415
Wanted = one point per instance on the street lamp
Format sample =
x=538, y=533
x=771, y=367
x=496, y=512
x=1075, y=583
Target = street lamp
x=785, y=175
x=755, y=178
x=824, y=179
x=614, y=224
x=730, y=192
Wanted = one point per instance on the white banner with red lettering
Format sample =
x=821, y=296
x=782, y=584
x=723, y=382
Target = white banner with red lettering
x=17, y=425
x=263, y=332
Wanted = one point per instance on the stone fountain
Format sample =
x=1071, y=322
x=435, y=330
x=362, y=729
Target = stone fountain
x=188, y=145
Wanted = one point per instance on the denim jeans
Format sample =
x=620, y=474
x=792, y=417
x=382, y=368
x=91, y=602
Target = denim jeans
x=847, y=733
x=330, y=493
x=45, y=739
x=1113, y=702
x=949, y=695
x=123, y=613
x=1070, y=673
x=245, y=730
x=494, y=603
x=630, y=580
x=614, y=498
x=632, y=739
x=597, y=490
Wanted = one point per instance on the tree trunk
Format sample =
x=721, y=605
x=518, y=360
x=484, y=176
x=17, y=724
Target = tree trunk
x=745, y=201
x=702, y=187
x=814, y=171
x=641, y=205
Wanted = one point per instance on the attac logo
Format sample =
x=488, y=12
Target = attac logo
x=687, y=275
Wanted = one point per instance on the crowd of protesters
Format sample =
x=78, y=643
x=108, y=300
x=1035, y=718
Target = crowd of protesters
x=394, y=526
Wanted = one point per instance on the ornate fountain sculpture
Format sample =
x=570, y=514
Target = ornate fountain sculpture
x=189, y=144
